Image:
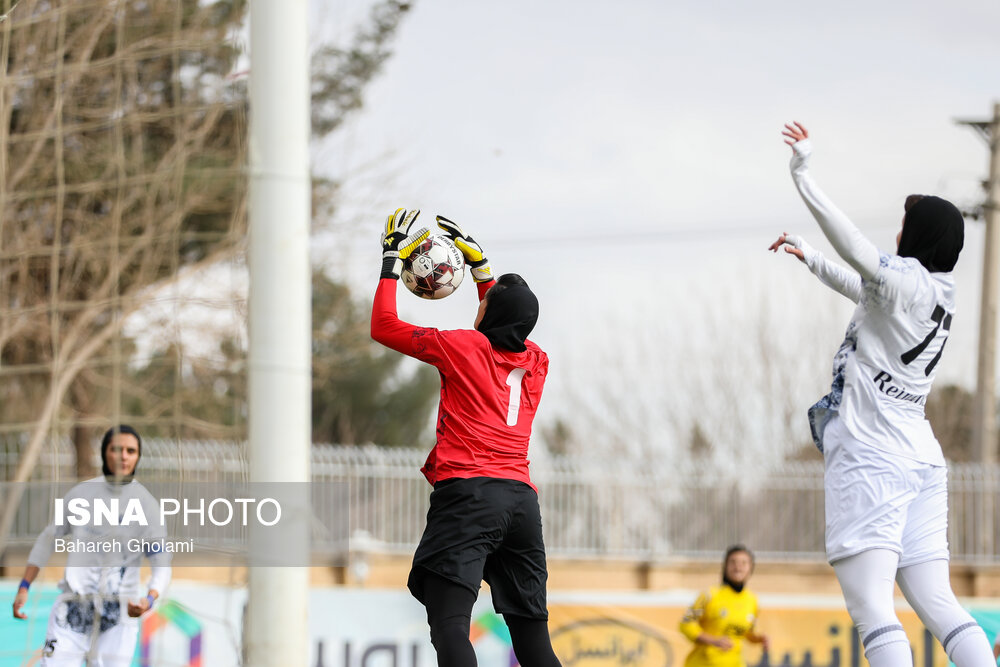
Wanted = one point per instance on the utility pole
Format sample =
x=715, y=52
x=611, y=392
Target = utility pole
x=984, y=430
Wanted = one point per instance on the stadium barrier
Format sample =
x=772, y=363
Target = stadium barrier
x=199, y=624
x=590, y=508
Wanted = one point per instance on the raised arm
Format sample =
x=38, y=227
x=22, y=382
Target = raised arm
x=830, y=274
x=397, y=244
x=479, y=266
x=386, y=326
x=860, y=253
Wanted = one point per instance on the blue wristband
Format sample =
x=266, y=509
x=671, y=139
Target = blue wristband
x=151, y=600
x=25, y=584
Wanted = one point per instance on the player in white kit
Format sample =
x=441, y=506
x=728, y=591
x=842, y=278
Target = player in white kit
x=885, y=476
x=95, y=618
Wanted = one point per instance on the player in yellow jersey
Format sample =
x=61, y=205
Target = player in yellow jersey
x=722, y=617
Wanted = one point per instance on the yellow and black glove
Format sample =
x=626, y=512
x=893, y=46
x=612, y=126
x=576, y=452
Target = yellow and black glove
x=473, y=253
x=398, y=243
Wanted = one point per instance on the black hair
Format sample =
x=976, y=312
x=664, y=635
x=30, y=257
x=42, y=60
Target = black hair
x=106, y=440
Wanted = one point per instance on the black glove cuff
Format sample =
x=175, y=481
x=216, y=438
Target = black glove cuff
x=389, y=268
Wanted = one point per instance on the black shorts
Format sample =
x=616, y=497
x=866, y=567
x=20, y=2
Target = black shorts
x=484, y=528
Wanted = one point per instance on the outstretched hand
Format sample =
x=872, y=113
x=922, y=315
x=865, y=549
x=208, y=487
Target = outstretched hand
x=397, y=241
x=137, y=609
x=794, y=132
x=397, y=238
x=472, y=251
x=19, y=600
x=792, y=246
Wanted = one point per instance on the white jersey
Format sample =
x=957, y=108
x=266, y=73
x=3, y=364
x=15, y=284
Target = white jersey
x=70, y=639
x=885, y=367
x=114, y=574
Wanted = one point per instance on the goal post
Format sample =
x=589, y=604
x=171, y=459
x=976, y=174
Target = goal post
x=276, y=631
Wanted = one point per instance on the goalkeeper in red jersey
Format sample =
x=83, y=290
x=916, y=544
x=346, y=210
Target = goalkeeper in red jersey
x=484, y=522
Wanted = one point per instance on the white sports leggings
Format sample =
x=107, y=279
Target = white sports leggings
x=867, y=581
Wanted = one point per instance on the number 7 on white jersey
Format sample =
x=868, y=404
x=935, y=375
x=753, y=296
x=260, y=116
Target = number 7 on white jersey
x=514, y=380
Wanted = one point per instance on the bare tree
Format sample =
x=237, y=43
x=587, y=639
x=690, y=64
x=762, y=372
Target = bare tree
x=723, y=377
x=949, y=410
x=123, y=152
x=122, y=128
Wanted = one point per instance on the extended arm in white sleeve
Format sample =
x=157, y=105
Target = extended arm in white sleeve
x=860, y=253
x=831, y=274
x=159, y=561
x=44, y=547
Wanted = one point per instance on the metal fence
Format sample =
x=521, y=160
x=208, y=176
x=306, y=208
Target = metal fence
x=590, y=508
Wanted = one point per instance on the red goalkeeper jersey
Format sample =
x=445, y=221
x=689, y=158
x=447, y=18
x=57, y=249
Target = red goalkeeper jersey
x=488, y=395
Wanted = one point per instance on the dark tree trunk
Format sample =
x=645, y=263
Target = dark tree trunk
x=83, y=448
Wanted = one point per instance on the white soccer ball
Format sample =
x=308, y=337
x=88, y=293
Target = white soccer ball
x=435, y=269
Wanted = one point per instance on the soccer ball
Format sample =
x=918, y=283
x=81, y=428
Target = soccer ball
x=435, y=269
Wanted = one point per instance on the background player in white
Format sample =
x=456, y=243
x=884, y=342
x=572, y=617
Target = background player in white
x=95, y=616
x=885, y=479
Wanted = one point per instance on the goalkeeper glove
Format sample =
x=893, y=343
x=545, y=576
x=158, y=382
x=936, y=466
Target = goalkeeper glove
x=398, y=243
x=473, y=254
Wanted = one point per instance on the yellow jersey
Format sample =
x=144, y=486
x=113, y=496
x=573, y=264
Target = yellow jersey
x=721, y=612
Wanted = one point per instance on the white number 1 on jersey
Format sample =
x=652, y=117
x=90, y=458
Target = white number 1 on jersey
x=514, y=379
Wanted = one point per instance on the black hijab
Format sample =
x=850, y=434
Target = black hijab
x=106, y=441
x=736, y=548
x=933, y=234
x=511, y=313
